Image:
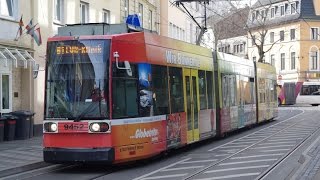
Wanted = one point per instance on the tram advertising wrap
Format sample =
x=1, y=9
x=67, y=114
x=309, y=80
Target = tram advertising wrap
x=123, y=97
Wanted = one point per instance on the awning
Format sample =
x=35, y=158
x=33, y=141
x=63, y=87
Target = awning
x=18, y=56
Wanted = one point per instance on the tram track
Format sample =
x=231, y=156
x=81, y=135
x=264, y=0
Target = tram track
x=242, y=150
x=280, y=141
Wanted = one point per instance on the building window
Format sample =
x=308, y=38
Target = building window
x=241, y=47
x=314, y=60
x=293, y=8
x=272, y=60
x=281, y=35
x=141, y=14
x=293, y=60
x=272, y=12
x=282, y=11
x=271, y=37
x=253, y=16
x=292, y=34
x=8, y=8
x=84, y=12
x=258, y=14
x=197, y=6
x=150, y=20
x=314, y=33
x=191, y=33
x=126, y=8
x=6, y=98
x=183, y=35
x=170, y=30
x=58, y=11
x=106, y=16
x=283, y=65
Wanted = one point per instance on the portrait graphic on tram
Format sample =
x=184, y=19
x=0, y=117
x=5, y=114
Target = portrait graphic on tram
x=145, y=91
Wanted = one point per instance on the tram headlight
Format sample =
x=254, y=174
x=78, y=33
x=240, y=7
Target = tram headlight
x=99, y=127
x=50, y=127
x=95, y=127
x=53, y=127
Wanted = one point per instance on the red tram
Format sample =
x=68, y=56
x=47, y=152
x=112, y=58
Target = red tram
x=120, y=97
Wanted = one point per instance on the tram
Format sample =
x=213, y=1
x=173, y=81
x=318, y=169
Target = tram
x=116, y=94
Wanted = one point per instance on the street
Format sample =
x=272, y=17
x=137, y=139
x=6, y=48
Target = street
x=279, y=149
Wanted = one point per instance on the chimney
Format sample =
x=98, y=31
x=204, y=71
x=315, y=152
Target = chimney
x=316, y=4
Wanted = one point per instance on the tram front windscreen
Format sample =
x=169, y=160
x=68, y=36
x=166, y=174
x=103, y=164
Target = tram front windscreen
x=77, y=79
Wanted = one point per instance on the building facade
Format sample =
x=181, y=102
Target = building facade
x=16, y=58
x=176, y=23
x=292, y=40
x=231, y=33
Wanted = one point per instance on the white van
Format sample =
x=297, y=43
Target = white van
x=309, y=94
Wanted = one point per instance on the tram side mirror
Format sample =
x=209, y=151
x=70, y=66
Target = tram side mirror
x=126, y=67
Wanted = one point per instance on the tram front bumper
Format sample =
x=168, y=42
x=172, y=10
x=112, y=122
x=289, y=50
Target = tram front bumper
x=62, y=155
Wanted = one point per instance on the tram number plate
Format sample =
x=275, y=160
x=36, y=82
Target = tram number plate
x=73, y=127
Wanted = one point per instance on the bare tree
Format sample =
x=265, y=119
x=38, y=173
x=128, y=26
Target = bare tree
x=258, y=26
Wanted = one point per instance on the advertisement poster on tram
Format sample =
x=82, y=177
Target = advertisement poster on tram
x=139, y=136
x=176, y=130
x=145, y=91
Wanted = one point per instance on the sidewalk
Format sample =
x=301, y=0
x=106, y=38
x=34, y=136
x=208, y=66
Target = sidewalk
x=20, y=155
x=310, y=167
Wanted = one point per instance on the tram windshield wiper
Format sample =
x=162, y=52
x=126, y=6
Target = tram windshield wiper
x=87, y=110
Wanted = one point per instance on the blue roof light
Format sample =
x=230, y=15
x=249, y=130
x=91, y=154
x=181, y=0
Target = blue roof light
x=133, y=20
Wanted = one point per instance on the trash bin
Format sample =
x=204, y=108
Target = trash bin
x=24, y=125
x=9, y=126
x=2, y=121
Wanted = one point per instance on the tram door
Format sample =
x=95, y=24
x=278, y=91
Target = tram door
x=191, y=103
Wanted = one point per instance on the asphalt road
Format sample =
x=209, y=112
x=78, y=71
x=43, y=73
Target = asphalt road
x=272, y=150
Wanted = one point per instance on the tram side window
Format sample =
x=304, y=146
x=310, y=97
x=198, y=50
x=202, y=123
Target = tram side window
x=246, y=91
x=202, y=89
x=210, y=89
x=160, y=90
x=233, y=91
x=275, y=95
x=225, y=91
x=176, y=90
x=124, y=93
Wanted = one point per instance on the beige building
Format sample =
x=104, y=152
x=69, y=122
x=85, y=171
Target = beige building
x=292, y=36
x=16, y=62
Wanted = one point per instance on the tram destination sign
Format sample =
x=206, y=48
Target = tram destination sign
x=69, y=50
